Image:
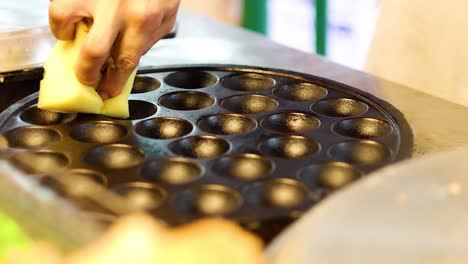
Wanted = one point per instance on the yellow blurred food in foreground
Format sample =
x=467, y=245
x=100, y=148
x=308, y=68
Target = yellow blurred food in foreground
x=61, y=91
x=139, y=239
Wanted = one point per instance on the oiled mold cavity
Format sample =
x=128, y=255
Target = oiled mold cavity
x=141, y=109
x=102, y=132
x=186, y=101
x=209, y=200
x=360, y=152
x=243, y=166
x=290, y=122
x=278, y=192
x=171, y=170
x=301, y=92
x=340, y=107
x=102, y=219
x=200, y=147
x=289, y=147
x=92, y=175
x=144, y=84
x=191, y=79
x=363, y=128
x=75, y=183
x=40, y=162
x=141, y=195
x=41, y=117
x=31, y=137
x=332, y=175
x=227, y=124
x=248, y=82
x=164, y=128
x=249, y=104
x=114, y=157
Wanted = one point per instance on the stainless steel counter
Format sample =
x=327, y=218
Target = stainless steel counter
x=437, y=124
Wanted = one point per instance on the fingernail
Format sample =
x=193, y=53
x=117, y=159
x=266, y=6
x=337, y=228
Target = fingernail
x=103, y=95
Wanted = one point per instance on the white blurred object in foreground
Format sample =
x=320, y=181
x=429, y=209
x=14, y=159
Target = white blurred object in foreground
x=412, y=212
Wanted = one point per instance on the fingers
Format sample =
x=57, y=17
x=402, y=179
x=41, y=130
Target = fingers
x=116, y=77
x=159, y=33
x=63, y=15
x=163, y=30
x=124, y=29
x=95, y=51
x=126, y=56
x=127, y=53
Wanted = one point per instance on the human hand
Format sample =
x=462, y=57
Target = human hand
x=123, y=30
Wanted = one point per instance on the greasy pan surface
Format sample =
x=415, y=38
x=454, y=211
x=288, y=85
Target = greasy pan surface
x=260, y=146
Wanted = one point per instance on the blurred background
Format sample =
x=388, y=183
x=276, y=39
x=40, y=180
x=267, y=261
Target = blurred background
x=341, y=30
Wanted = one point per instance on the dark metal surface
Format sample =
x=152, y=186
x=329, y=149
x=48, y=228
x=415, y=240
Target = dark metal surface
x=237, y=141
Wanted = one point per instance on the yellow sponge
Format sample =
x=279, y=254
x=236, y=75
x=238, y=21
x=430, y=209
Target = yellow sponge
x=61, y=91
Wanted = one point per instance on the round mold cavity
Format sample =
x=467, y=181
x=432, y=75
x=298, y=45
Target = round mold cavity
x=141, y=109
x=41, y=117
x=39, y=162
x=363, y=128
x=144, y=84
x=250, y=104
x=279, y=192
x=248, y=82
x=102, y=219
x=289, y=147
x=164, y=128
x=340, y=107
x=171, y=170
x=54, y=185
x=200, y=147
x=186, y=101
x=142, y=195
x=363, y=152
x=95, y=176
x=227, y=124
x=78, y=182
x=332, y=175
x=191, y=79
x=243, y=166
x=31, y=137
x=301, y=92
x=290, y=122
x=114, y=157
x=101, y=132
x=210, y=200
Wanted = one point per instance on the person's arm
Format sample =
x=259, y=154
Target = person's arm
x=121, y=29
